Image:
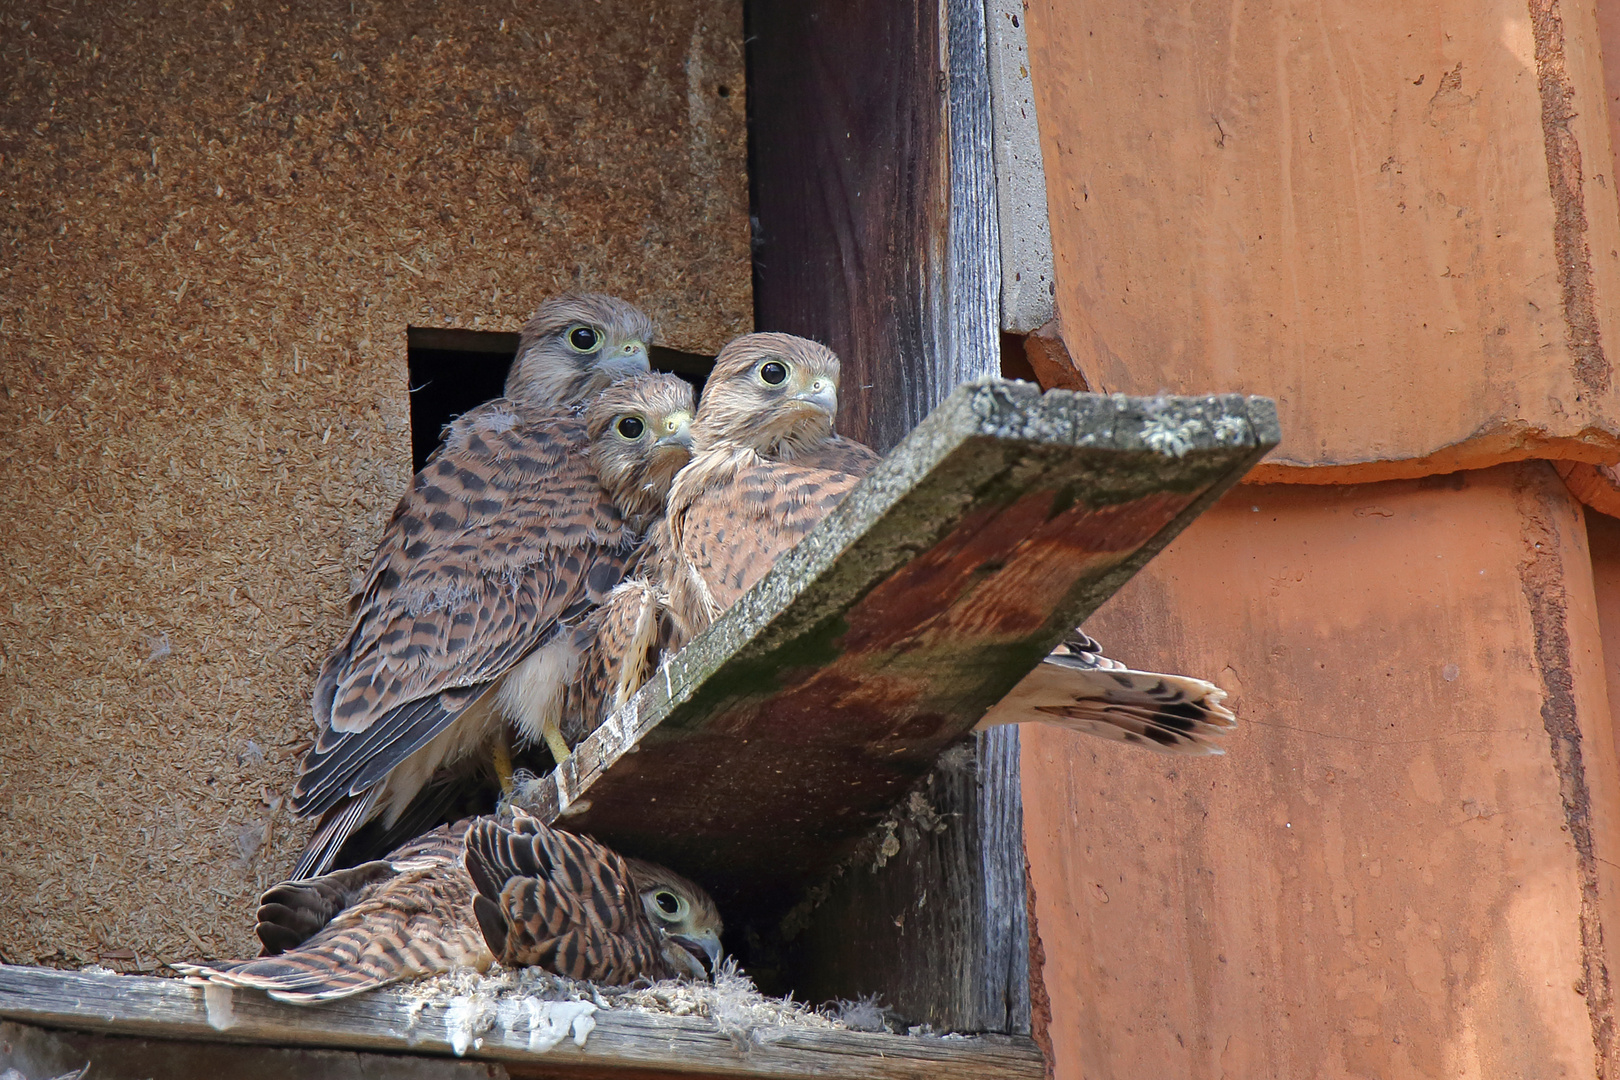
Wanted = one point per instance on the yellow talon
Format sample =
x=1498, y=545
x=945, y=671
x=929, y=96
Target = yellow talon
x=503, y=765
x=553, y=735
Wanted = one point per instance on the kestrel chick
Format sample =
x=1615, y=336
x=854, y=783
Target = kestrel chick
x=505, y=536
x=766, y=467
x=544, y=898
x=640, y=435
x=564, y=902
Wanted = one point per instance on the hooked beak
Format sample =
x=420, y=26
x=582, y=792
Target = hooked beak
x=680, y=438
x=822, y=394
x=705, y=950
x=627, y=361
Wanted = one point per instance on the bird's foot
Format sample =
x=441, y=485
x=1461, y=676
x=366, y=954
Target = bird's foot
x=554, y=741
x=503, y=765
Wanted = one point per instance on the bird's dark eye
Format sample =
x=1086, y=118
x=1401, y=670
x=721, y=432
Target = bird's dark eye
x=773, y=372
x=584, y=338
x=631, y=427
x=667, y=902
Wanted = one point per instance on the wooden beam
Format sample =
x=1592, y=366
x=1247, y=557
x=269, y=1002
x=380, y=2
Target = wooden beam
x=394, y=1022
x=761, y=754
x=920, y=917
x=876, y=231
x=874, y=197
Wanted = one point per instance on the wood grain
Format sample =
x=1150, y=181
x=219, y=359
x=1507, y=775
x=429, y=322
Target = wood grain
x=38, y=1053
x=384, y=1021
x=935, y=930
x=849, y=165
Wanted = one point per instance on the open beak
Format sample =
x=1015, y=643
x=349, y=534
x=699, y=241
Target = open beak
x=704, y=948
x=822, y=394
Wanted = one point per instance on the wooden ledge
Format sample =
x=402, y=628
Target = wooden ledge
x=623, y=1041
x=760, y=754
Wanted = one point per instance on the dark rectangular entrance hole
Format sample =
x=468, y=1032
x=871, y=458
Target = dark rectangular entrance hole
x=452, y=371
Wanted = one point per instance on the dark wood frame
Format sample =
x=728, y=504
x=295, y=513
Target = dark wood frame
x=873, y=192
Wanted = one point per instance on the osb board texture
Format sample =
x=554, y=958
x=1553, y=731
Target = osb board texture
x=1398, y=219
x=1404, y=864
x=215, y=226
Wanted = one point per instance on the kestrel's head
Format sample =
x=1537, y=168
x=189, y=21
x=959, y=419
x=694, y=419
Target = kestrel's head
x=687, y=922
x=775, y=394
x=575, y=345
x=640, y=434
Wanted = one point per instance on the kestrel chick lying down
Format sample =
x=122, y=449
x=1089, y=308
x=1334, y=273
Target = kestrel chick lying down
x=506, y=536
x=766, y=468
x=467, y=895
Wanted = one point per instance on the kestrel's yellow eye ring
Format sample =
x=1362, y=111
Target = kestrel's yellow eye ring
x=670, y=906
x=631, y=427
x=773, y=372
x=584, y=338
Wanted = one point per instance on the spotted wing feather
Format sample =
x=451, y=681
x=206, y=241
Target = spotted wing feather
x=412, y=920
x=733, y=532
x=504, y=533
x=559, y=901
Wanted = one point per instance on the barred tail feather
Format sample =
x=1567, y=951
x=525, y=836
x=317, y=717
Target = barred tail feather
x=340, y=966
x=1170, y=714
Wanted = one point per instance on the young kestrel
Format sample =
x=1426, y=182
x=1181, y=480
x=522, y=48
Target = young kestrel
x=466, y=895
x=563, y=902
x=505, y=536
x=766, y=468
x=639, y=436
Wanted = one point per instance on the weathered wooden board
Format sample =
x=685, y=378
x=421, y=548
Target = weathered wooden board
x=641, y=1044
x=874, y=199
x=762, y=752
x=54, y=1053
x=920, y=917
